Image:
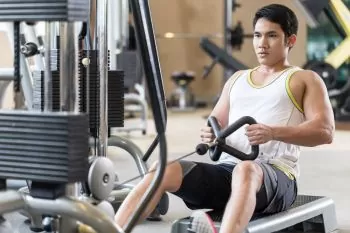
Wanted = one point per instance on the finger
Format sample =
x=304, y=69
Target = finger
x=252, y=127
x=254, y=138
x=255, y=132
x=251, y=133
x=207, y=135
x=206, y=129
x=206, y=140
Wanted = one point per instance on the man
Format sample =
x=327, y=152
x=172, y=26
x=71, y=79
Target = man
x=292, y=109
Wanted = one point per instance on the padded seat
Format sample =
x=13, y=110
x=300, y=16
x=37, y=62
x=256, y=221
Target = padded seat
x=182, y=79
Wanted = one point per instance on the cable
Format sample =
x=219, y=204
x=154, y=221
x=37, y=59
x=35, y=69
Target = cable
x=201, y=149
x=153, y=170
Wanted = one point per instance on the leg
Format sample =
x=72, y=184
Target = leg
x=276, y=193
x=205, y=186
x=247, y=180
x=171, y=182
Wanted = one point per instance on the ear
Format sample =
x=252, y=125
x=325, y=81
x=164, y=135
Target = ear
x=291, y=41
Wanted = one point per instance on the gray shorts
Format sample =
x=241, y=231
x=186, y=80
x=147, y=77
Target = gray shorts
x=208, y=186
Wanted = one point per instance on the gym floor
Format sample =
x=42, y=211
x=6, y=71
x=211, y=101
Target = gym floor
x=325, y=170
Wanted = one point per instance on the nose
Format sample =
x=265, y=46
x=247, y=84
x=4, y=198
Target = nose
x=262, y=43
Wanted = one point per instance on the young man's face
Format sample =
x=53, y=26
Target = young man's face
x=270, y=43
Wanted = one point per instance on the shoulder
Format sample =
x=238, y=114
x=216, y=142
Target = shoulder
x=308, y=77
x=231, y=81
x=235, y=76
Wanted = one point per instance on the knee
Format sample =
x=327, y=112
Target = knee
x=247, y=171
x=172, y=176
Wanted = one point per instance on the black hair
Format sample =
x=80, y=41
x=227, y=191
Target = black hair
x=281, y=15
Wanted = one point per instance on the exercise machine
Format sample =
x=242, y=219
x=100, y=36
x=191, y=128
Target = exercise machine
x=233, y=39
x=182, y=98
x=52, y=147
x=220, y=56
x=134, y=94
x=135, y=99
x=339, y=15
x=314, y=213
x=7, y=74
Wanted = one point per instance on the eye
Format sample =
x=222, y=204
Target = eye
x=273, y=35
x=257, y=35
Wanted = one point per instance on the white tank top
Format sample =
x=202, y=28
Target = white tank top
x=271, y=104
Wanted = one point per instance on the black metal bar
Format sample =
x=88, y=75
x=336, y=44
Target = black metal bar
x=17, y=59
x=219, y=54
x=214, y=124
x=148, y=52
x=150, y=150
x=227, y=35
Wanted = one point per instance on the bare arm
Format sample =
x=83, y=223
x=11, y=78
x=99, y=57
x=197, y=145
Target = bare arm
x=222, y=107
x=319, y=125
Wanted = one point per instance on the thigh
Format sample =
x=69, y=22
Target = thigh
x=205, y=186
x=277, y=193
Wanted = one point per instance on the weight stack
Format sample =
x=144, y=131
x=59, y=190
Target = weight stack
x=44, y=10
x=38, y=84
x=131, y=64
x=115, y=92
x=48, y=147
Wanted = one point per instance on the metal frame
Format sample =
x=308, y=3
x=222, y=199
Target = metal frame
x=26, y=76
x=342, y=53
x=309, y=208
x=71, y=208
x=117, y=41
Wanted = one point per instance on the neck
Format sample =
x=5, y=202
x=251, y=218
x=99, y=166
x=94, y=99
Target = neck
x=279, y=66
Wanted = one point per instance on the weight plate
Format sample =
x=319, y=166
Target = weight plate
x=326, y=71
x=101, y=178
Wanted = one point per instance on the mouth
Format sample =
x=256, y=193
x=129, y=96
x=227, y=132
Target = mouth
x=263, y=54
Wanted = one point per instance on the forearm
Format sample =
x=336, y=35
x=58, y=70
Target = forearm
x=309, y=133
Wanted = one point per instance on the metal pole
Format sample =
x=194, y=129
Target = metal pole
x=68, y=75
x=124, y=23
x=54, y=34
x=112, y=42
x=11, y=201
x=94, y=36
x=102, y=26
x=227, y=36
x=68, y=94
x=47, y=70
x=68, y=67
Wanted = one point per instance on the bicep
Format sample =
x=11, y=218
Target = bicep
x=222, y=107
x=316, y=101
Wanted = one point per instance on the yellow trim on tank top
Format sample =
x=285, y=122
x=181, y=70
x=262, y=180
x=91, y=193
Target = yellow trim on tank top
x=250, y=81
x=235, y=78
x=285, y=171
x=290, y=94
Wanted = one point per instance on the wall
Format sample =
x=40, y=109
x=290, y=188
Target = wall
x=206, y=17
x=198, y=17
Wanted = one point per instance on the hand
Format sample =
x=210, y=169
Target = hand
x=259, y=134
x=207, y=134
